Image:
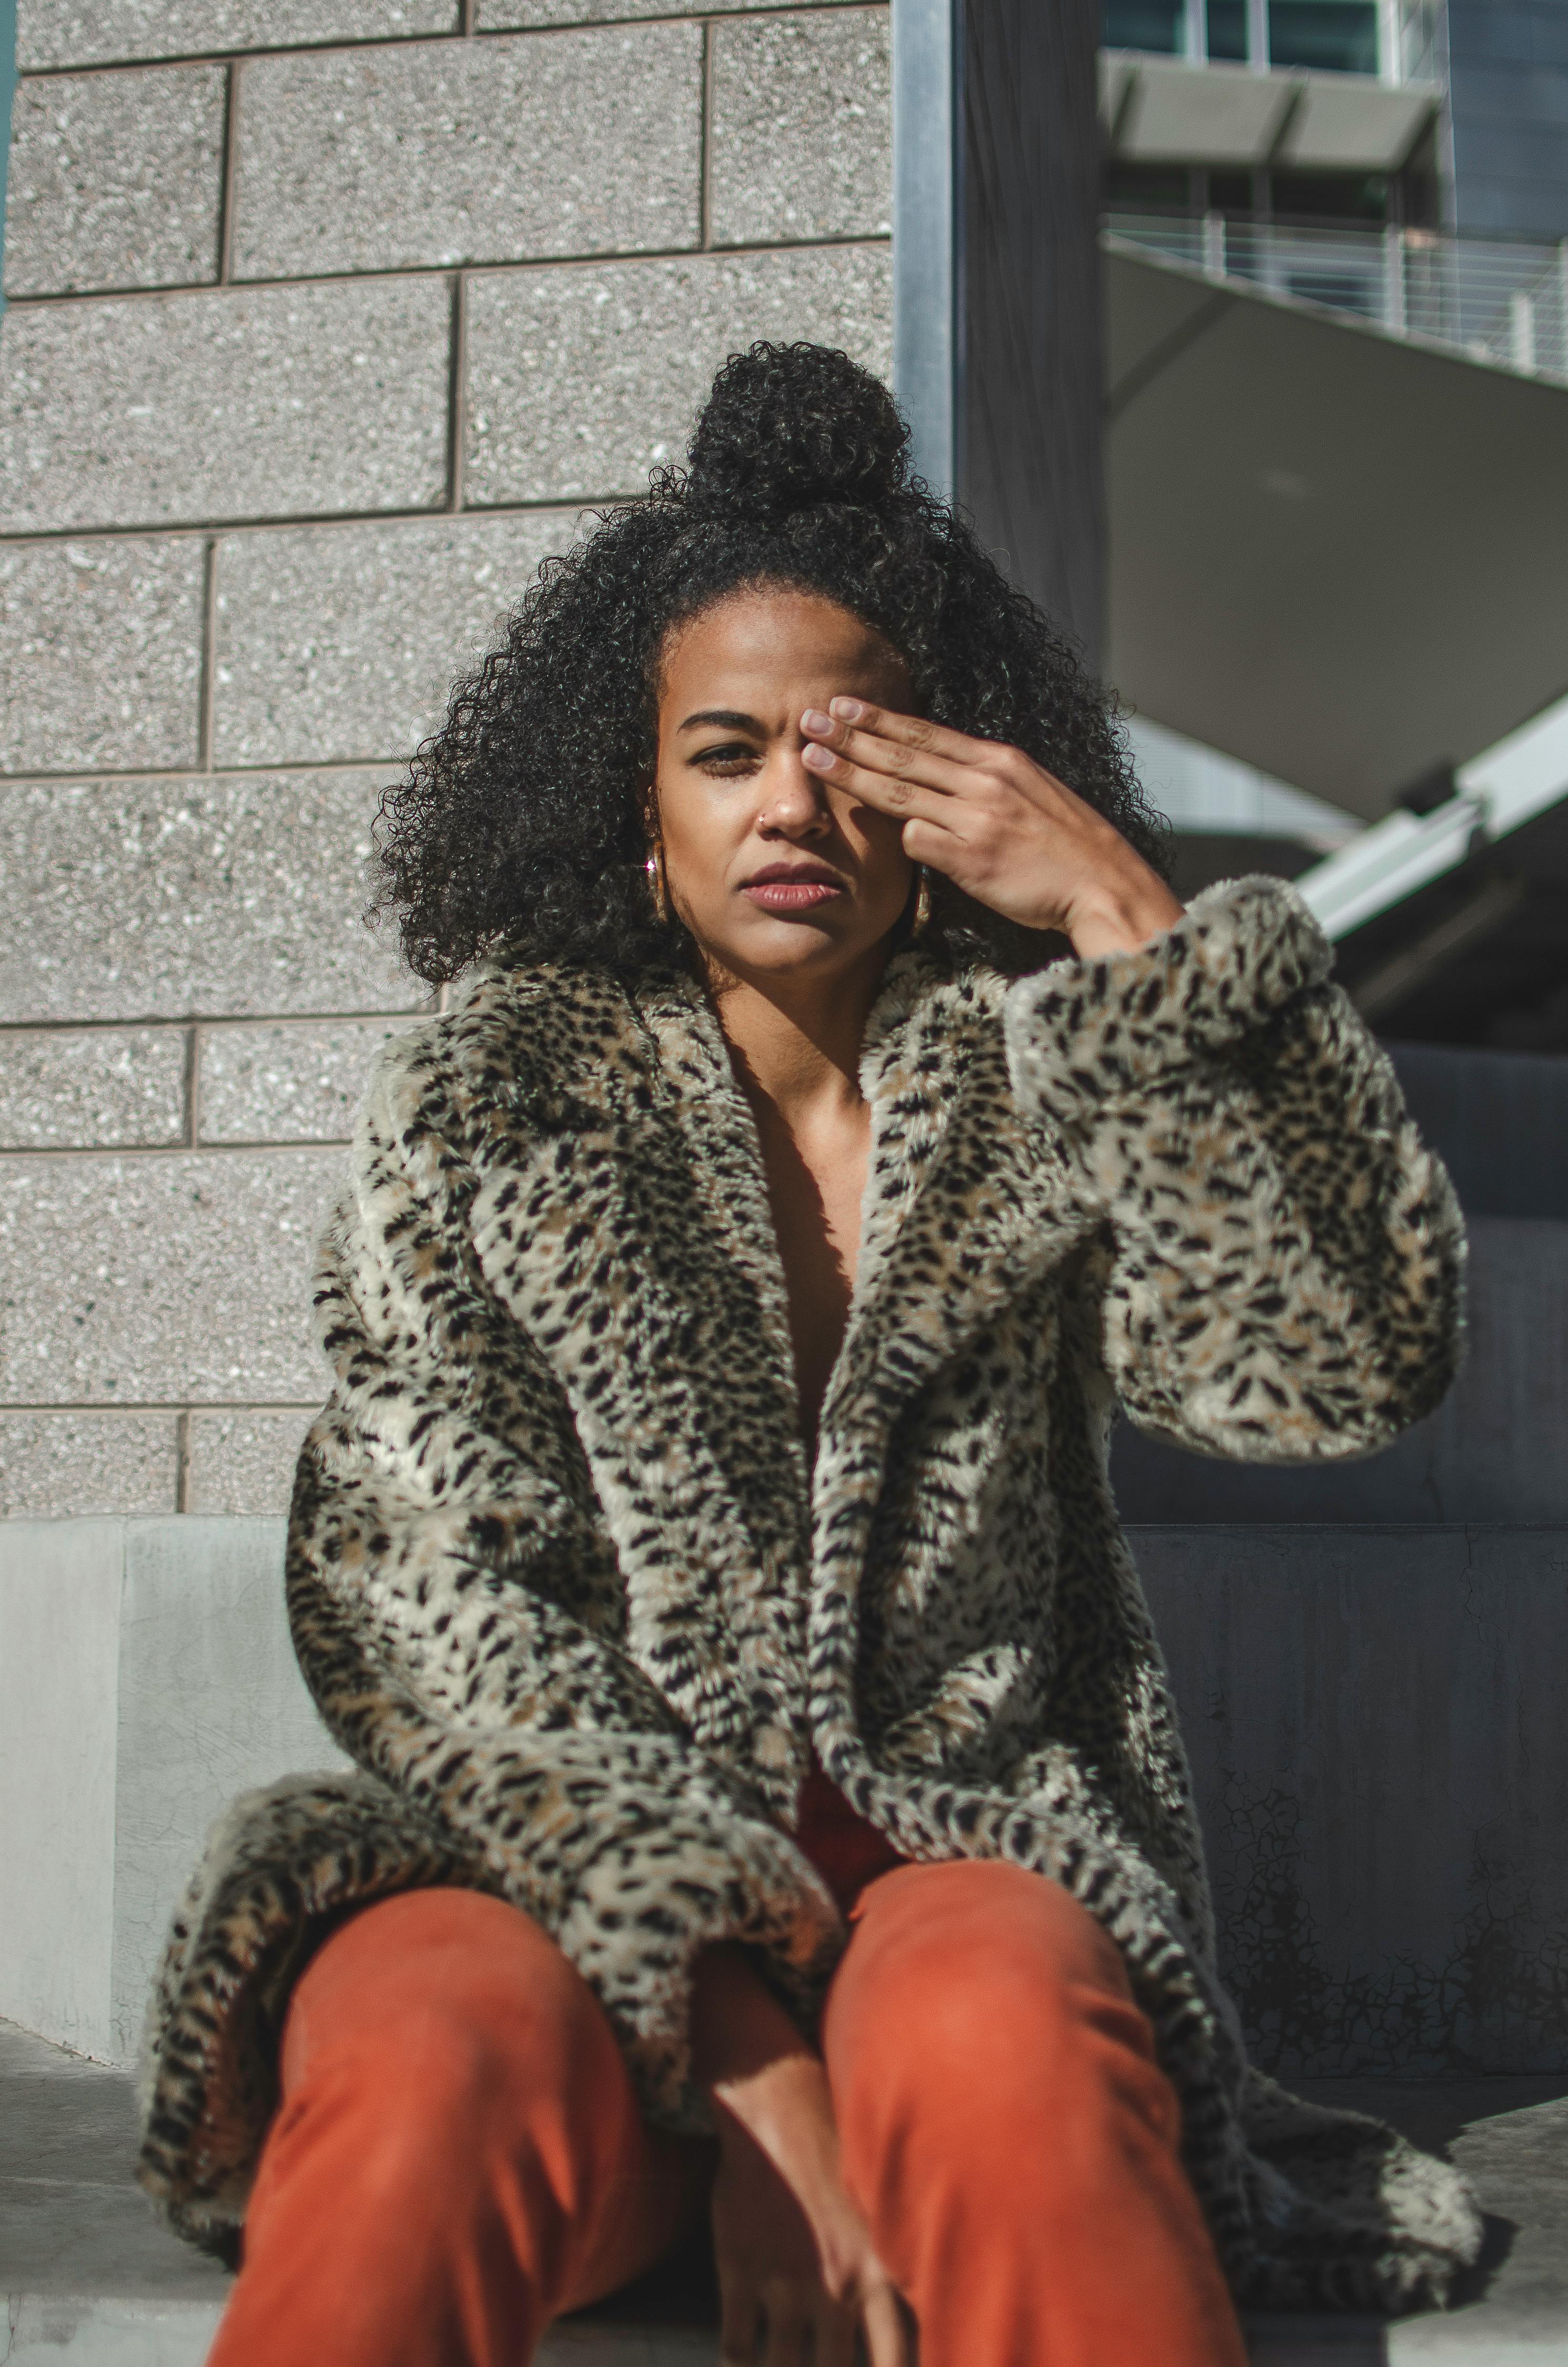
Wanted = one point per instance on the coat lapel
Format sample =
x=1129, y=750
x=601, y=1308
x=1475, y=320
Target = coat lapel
x=625, y=1220
x=631, y=1236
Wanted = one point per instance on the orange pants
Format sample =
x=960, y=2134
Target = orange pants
x=458, y=2155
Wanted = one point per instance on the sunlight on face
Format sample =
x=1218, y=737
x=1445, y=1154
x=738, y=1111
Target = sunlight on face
x=773, y=870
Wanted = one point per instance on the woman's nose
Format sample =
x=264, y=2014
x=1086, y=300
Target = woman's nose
x=797, y=799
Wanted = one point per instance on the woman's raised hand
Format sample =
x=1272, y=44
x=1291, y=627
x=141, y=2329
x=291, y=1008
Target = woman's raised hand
x=995, y=823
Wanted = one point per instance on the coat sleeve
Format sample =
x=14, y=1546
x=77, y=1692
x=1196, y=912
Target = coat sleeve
x=1280, y=1258
x=457, y=1615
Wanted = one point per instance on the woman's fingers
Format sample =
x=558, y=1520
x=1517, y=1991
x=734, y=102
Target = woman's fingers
x=889, y=2342
x=740, y=2326
x=899, y=759
x=887, y=793
x=913, y=732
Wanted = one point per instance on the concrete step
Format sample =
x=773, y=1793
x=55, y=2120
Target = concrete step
x=1373, y=1715
x=92, y=2279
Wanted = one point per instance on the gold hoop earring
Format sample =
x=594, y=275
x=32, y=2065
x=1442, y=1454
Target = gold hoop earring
x=658, y=885
x=921, y=921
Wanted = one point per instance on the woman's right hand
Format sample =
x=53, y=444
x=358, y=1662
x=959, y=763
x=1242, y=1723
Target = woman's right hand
x=799, y=2280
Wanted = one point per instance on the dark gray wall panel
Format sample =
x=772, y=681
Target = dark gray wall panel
x=1375, y=1719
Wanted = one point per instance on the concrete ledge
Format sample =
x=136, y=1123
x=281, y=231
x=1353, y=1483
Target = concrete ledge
x=1373, y=1715
x=146, y=1675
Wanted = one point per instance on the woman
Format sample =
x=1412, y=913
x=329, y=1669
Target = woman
x=767, y=1785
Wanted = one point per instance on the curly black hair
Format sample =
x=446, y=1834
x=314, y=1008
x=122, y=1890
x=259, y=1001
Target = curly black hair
x=521, y=823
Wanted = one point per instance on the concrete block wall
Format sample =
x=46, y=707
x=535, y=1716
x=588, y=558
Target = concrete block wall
x=326, y=319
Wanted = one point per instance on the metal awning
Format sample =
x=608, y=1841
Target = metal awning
x=1337, y=555
x=1158, y=109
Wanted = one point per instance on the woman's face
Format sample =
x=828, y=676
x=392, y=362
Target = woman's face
x=774, y=871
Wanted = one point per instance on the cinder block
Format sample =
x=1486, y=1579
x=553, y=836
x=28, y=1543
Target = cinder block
x=238, y=402
x=375, y=160
x=171, y=1275
x=115, y=180
x=130, y=900
x=297, y=1084
x=100, y=654
x=62, y=1461
x=98, y=33
x=800, y=136
x=498, y=15
x=61, y=1089
x=582, y=379
x=243, y=1462
x=340, y=642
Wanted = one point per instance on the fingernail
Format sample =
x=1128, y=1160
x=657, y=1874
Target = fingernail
x=815, y=719
x=820, y=759
x=848, y=710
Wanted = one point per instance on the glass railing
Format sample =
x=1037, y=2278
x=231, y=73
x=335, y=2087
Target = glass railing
x=1492, y=299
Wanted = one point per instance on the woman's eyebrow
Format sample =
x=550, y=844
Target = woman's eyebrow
x=728, y=717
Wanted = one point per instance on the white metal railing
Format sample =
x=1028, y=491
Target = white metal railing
x=1494, y=299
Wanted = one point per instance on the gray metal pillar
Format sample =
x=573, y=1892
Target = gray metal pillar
x=997, y=339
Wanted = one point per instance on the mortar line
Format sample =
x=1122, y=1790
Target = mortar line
x=192, y=1086
x=227, y=186
x=159, y=1405
x=182, y=1459
x=141, y=1152
x=290, y=522
x=207, y=680
x=587, y=23
x=576, y=260
x=458, y=368
x=161, y=1022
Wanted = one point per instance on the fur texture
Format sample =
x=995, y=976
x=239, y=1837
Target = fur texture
x=564, y=1588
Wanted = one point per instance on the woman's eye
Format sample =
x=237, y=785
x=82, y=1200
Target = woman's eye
x=733, y=757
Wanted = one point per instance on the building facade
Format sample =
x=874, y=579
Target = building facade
x=325, y=323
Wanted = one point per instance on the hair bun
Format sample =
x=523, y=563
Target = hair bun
x=787, y=427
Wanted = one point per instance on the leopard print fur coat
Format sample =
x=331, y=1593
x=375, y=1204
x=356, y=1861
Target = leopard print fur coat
x=569, y=1598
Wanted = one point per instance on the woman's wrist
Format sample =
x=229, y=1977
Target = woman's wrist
x=1118, y=916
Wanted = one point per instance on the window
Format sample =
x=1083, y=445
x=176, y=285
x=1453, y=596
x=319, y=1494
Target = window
x=1227, y=30
x=1158, y=25
x=1332, y=36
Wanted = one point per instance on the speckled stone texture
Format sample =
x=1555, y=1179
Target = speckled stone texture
x=496, y=15
x=97, y=32
x=162, y=1275
x=583, y=378
x=243, y=1462
x=800, y=135
x=254, y=402
x=133, y=899
x=55, y=1463
x=62, y=1088
x=341, y=642
x=100, y=654
x=301, y=1083
x=115, y=180
x=492, y=151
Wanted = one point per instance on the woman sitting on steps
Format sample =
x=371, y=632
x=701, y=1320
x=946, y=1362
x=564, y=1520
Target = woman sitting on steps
x=767, y=1799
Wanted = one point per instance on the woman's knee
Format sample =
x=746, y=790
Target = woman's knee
x=442, y=2011
x=980, y=1997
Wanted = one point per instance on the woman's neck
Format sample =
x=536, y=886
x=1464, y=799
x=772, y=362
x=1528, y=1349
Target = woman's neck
x=796, y=1042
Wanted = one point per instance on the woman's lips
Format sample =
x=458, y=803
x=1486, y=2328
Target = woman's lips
x=791, y=895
